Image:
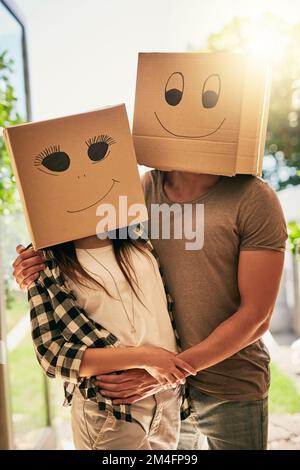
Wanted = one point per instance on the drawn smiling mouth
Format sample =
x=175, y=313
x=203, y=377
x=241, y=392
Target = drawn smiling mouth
x=99, y=200
x=188, y=136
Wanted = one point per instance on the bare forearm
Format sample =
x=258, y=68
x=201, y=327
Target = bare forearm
x=98, y=361
x=228, y=338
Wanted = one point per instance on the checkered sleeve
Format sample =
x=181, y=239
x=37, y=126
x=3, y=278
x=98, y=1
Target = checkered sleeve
x=58, y=357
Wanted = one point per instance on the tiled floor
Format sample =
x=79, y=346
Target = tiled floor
x=284, y=432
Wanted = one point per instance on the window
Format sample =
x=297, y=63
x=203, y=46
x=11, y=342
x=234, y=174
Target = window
x=12, y=36
x=24, y=401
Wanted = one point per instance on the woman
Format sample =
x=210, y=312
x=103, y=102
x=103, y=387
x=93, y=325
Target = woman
x=98, y=307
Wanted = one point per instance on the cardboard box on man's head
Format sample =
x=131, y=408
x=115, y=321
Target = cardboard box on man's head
x=66, y=167
x=201, y=112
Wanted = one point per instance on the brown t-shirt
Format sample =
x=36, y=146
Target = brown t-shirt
x=240, y=213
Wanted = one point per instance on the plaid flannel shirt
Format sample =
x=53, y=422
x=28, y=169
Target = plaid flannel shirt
x=61, y=332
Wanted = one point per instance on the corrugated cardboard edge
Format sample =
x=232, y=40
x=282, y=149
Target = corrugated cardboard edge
x=265, y=119
x=20, y=189
x=260, y=124
x=58, y=241
x=141, y=141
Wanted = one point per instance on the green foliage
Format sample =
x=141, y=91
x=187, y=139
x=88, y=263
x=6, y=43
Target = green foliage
x=282, y=166
x=18, y=307
x=8, y=117
x=9, y=298
x=26, y=389
x=294, y=237
x=284, y=396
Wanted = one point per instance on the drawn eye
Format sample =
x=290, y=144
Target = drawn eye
x=174, y=88
x=53, y=159
x=211, y=91
x=98, y=147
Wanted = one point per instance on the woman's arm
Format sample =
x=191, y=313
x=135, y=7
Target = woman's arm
x=61, y=358
x=109, y=360
x=58, y=357
x=163, y=365
x=66, y=360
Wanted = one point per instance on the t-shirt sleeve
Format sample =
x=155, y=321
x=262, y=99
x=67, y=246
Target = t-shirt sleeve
x=262, y=224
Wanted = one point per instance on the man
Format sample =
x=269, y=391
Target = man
x=224, y=296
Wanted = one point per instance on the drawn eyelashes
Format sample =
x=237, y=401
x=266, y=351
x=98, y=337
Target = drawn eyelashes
x=210, y=92
x=53, y=159
x=98, y=147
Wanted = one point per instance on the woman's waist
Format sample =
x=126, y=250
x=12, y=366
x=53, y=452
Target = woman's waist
x=89, y=391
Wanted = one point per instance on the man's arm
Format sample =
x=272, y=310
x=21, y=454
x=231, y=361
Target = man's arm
x=259, y=274
x=69, y=361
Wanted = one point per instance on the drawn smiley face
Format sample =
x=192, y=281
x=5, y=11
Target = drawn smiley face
x=195, y=96
x=68, y=167
x=54, y=161
x=174, y=94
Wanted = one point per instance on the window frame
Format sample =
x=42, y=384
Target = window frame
x=24, y=56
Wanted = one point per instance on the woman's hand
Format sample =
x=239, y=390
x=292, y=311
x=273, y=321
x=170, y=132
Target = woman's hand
x=165, y=366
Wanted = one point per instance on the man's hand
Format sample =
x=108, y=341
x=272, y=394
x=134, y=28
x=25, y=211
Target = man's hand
x=27, y=266
x=128, y=387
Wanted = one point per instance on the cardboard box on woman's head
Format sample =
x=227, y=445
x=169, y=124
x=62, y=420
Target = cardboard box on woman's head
x=66, y=167
x=201, y=112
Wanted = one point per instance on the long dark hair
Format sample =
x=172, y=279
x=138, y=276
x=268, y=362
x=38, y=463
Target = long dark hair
x=65, y=255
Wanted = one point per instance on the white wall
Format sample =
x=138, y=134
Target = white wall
x=83, y=54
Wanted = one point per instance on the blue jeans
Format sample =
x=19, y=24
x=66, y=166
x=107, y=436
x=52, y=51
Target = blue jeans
x=227, y=425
